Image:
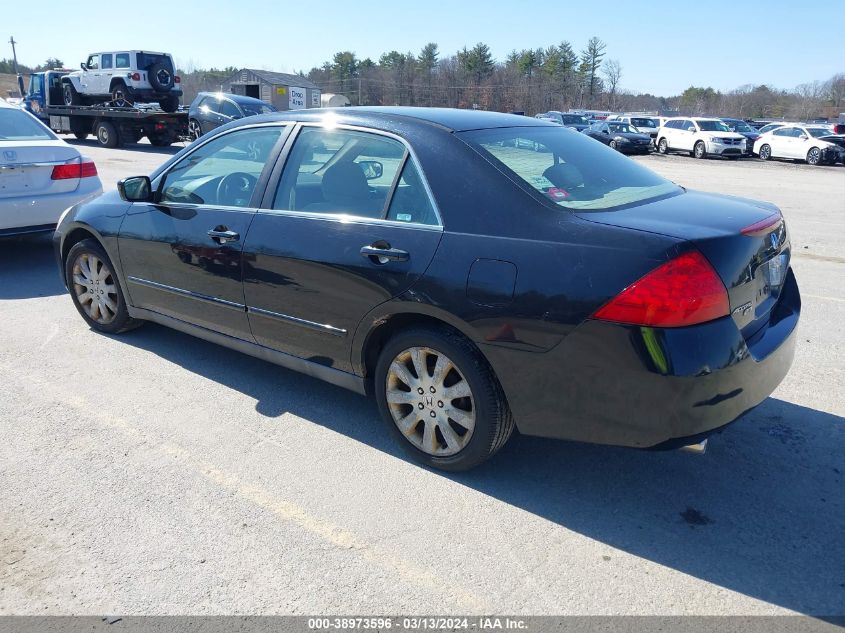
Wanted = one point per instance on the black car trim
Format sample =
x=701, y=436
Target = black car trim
x=319, y=327
x=27, y=230
x=186, y=293
x=301, y=365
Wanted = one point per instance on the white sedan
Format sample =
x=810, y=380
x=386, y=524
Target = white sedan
x=802, y=142
x=40, y=174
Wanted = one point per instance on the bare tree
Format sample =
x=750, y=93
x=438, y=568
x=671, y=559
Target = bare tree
x=612, y=71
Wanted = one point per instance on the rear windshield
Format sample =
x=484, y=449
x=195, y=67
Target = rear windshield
x=569, y=169
x=145, y=60
x=251, y=109
x=644, y=123
x=574, y=119
x=17, y=125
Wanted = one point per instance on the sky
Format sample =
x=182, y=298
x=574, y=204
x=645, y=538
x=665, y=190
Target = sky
x=663, y=47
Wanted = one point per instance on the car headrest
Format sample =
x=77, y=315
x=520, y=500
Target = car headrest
x=344, y=183
x=564, y=175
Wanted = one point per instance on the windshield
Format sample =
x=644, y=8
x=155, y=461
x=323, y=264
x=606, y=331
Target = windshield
x=17, y=125
x=818, y=131
x=741, y=126
x=713, y=126
x=574, y=119
x=644, y=123
x=251, y=109
x=620, y=128
x=570, y=170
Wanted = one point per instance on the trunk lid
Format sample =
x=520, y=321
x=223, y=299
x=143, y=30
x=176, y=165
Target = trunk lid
x=753, y=267
x=26, y=168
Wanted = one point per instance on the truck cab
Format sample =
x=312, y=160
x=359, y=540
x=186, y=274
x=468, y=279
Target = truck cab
x=45, y=90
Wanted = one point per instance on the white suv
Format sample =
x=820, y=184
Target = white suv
x=123, y=78
x=701, y=137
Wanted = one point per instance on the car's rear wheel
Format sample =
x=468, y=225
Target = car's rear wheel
x=107, y=134
x=121, y=96
x=765, y=152
x=70, y=95
x=169, y=104
x=814, y=156
x=699, y=150
x=79, y=129
x=441, y=399
x=663, y=146
x=194, y=129
x=95, y=289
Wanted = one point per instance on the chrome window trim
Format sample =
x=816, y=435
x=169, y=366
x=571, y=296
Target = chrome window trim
x=349, y=219
x=186, y=293
x=368, y=130
x=313, y=325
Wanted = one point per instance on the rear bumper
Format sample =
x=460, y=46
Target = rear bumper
x=647, y=387
x=39, y=210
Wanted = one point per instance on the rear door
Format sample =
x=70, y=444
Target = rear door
x=181, y=255
x=350, y=224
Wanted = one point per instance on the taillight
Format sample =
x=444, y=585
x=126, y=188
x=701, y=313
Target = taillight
x=177, y=79
x=683, y=291
x=766, y=225
x=74, y=170
x=136, y=76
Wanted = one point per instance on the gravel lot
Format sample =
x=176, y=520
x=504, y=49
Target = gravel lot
x=154, y=473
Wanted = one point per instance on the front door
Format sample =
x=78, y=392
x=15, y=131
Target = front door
x=352, y=224
x=181, y=256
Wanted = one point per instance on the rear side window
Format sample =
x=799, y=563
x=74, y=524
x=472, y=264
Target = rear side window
x=567, y=169
x=106, y=61
x=121, y=60
x=411, y=202
x=782, y=131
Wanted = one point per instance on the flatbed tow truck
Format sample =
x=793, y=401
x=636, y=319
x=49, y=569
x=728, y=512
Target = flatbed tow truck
x=111, y=125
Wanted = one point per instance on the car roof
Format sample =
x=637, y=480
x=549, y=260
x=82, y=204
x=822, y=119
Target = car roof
x=451, y=119
x=231, y=97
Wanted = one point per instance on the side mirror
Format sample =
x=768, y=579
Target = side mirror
x=372, y=169
x=690, y=129
x=83, y=66
x=135, y=189
x=803, y=137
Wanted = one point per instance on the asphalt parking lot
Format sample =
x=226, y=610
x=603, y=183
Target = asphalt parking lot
x=154, y=473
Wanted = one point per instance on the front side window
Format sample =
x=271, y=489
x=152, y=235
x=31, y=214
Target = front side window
x=121, y=60
x=340, y=172
x=106, y=61
x=93, y=62
x=252, y=109
x=222, y=172
x=568, y=169
x=620, y=128
x=36, y=86
x=229, y=109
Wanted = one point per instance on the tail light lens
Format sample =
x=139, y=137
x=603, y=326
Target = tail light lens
x=136, y=76
x=683, y=291
x=767, y=225
x=177, y=79
x=74, y=170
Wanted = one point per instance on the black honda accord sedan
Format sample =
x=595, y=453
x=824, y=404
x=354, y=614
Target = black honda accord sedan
x=476, y=272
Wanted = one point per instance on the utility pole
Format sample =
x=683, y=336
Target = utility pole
x=359, y=89
x=15, y=64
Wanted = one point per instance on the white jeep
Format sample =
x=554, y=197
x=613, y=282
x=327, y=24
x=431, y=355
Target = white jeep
x=124, y=78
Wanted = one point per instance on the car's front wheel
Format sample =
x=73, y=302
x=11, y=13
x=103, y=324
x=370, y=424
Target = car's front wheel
x=814, y=156
x=70, y=95
x=699, y=151
x=95, y=289
x=441, y=399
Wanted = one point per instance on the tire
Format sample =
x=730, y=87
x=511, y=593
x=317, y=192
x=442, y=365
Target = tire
x=194, y=129
x=699, y=150
x=87, y=262
x=765, y=151
x=160, y=77
x=452, y=446
x=613, y=145
x=80, y=136
x=107, y=135
x=169, y=104
x=121, y=95
x=814, y=157
x=160, y=141
x=79, y=130
x=70, y=95
x=662, y=146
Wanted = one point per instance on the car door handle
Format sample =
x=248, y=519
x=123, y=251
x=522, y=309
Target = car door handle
x=384, y=255
x=222, y=235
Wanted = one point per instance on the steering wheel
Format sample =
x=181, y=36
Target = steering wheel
x=235, y=189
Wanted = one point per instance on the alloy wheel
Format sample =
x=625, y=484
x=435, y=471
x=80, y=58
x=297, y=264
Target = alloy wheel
x=194, y=129
x=765, y=152
x=430, y=401
x=814, y=156
x=94, y=287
